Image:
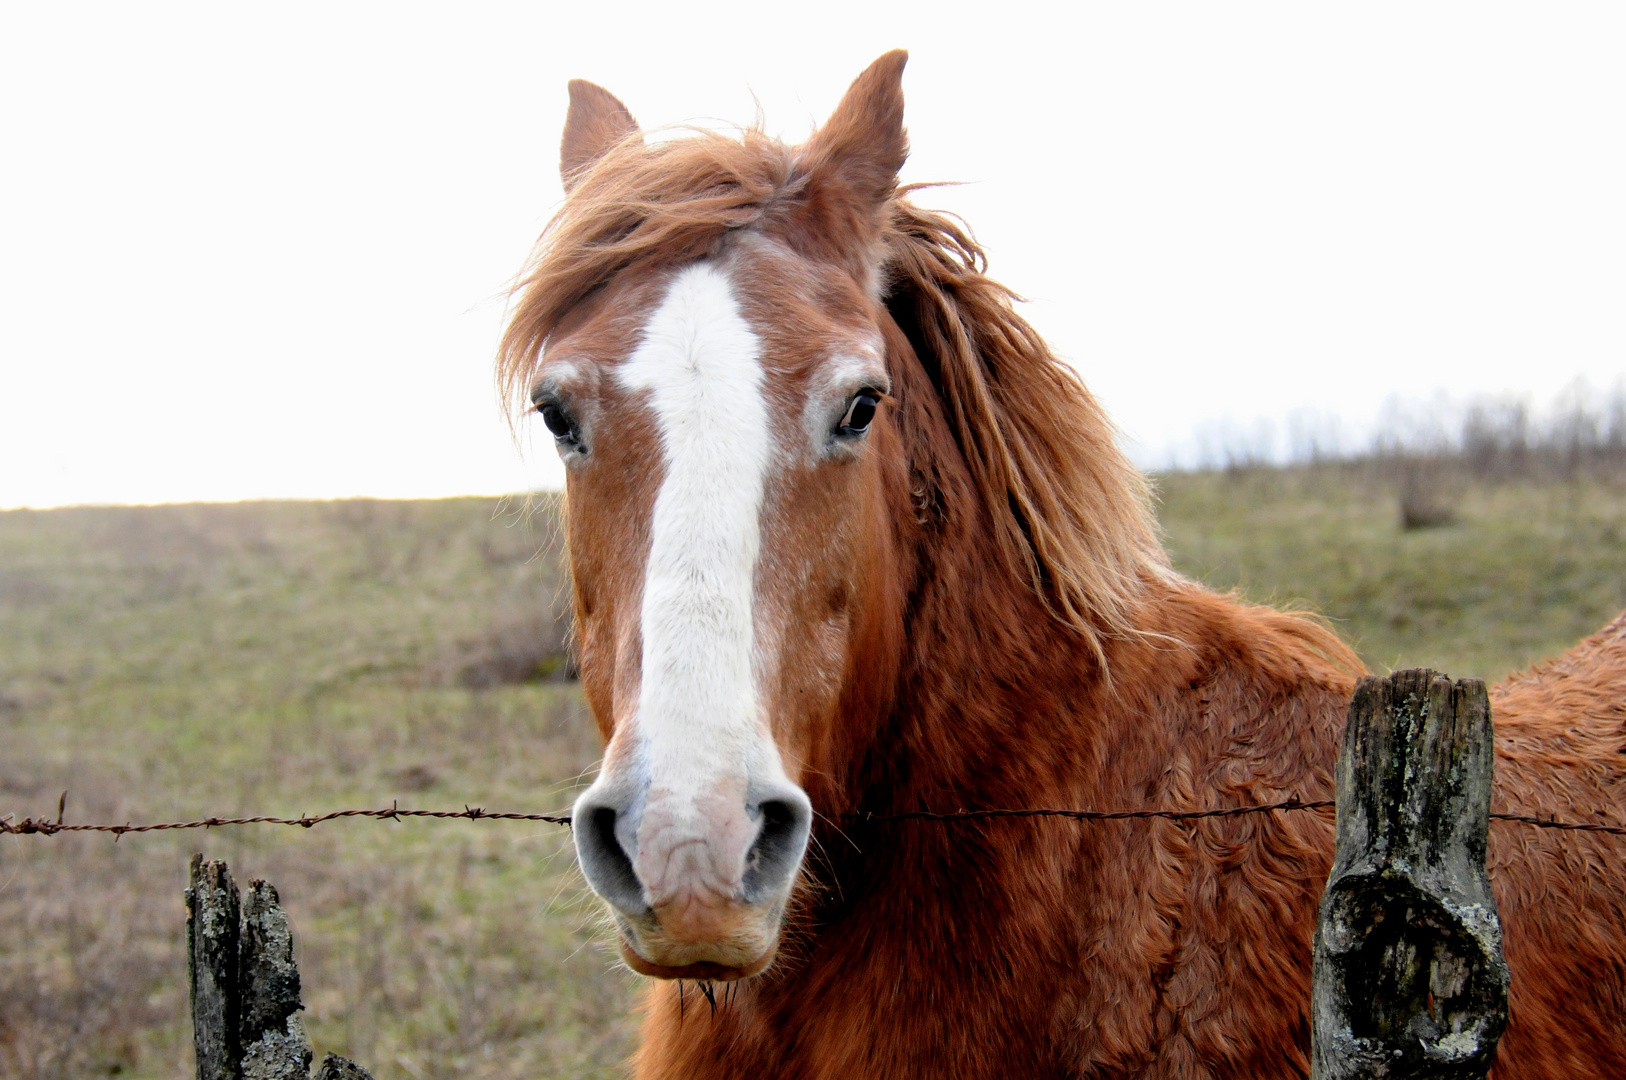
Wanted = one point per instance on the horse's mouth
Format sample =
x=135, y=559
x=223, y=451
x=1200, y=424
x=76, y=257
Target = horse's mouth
x=708, y=943
x=700, y=970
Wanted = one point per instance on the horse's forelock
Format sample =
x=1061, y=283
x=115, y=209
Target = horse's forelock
x=659, y=204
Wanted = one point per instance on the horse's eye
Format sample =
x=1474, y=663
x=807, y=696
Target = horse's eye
x=557, y=421
x=859, y=413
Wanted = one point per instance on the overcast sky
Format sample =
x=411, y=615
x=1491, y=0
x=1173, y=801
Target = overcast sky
x=262, y=252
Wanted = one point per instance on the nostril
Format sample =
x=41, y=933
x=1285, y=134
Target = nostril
x=777, y=852
x=605, y=863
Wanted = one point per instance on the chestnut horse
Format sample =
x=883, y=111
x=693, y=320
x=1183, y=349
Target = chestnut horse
x=845, y=537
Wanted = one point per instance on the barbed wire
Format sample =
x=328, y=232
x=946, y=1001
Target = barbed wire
x=394, y=812
x=1091, y=815
x=1567, y=826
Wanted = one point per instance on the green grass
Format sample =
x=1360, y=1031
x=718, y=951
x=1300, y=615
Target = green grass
x=1522, y=572
x=177, y=662
x=279, y=658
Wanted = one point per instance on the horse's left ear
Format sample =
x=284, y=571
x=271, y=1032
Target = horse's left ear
x=862, y=146
x=596, y=123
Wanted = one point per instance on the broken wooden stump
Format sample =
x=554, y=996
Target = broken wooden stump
x=1408, y=977
x=213, y=930
x=245, y=984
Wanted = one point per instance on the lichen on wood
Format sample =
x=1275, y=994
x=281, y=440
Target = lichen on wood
x=1408, y=975
x=213, y=929
x=273, y=1040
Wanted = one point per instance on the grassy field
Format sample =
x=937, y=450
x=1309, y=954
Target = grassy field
x=1521, y=572
x=174, y=662
x=278, y=658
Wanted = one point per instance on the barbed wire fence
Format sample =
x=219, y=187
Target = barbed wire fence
x=30, y=826
x=1413, y=781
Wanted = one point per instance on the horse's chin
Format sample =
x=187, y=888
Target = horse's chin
x=708, y=942
x=700, y=970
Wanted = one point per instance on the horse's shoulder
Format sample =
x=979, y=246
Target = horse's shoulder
x=1238, y=705
x=1246, y=669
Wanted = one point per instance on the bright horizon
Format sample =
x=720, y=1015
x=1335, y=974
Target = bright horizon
x=264, y=254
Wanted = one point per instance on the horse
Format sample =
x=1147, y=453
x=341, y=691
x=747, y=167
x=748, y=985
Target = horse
x=847, y=540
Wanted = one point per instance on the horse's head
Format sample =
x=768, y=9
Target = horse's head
x=707, y=343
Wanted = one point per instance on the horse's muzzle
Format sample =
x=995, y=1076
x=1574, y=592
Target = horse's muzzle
x=697, y=882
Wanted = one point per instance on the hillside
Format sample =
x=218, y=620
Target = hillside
x=1521, y=571
x=169, y=662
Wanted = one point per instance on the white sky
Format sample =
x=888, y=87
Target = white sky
x=262, y=252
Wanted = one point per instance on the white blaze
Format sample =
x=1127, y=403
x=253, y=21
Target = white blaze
x=697, y=722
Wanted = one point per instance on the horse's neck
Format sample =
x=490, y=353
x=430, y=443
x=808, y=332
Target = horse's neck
x=987, y=677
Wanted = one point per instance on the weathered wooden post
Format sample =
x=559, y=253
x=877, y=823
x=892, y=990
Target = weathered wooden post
x=272, y=1038
x=1408, y=978
x=213, y=930
x=245, y=984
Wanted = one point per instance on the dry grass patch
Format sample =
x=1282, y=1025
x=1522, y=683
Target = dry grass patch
x=177, y=662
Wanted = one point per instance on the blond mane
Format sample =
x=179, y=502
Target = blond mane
x=1071, y=515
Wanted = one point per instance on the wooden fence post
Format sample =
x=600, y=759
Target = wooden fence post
x=213, y=926
x=273, y=1039
x=245, y=984
x=1408, y=978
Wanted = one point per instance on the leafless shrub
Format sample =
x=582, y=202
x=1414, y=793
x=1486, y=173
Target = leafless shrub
x=1582, y=433
x=1496, y=438
x=1427, y=498
x=521, y=646
x=1425, y=449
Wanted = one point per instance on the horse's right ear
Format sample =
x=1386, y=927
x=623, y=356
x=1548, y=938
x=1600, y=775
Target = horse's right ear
x=597, y=122
x=862, y=146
